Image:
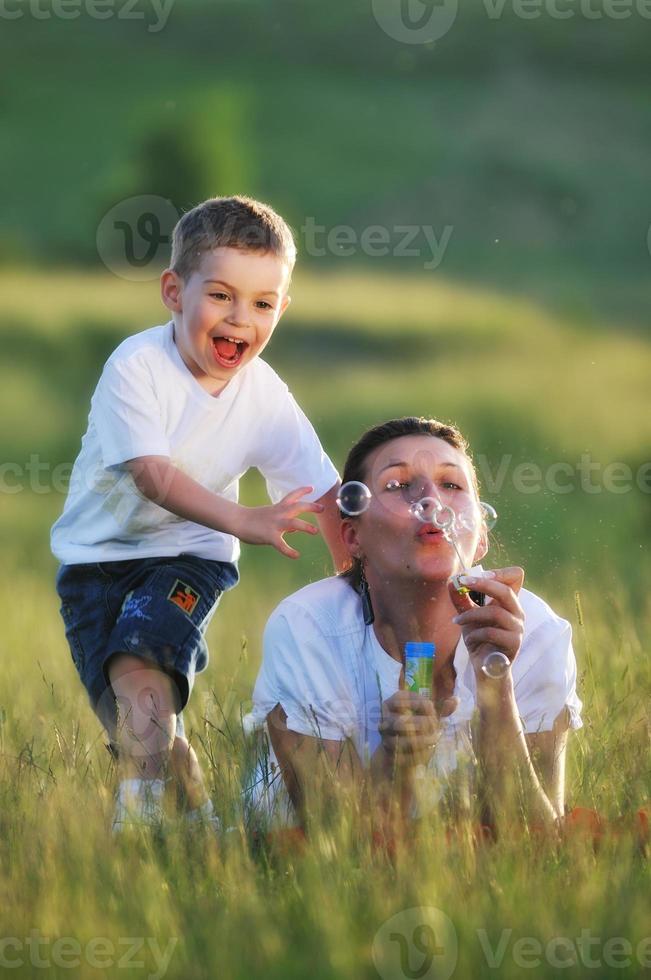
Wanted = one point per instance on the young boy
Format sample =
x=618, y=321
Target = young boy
x=148, y=538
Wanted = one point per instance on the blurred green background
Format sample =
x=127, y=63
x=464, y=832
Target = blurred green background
x=527, y=139
x=523, y=145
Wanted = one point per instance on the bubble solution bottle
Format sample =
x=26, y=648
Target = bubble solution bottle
x=419, y=668
x=419, y=676
x=448, y=781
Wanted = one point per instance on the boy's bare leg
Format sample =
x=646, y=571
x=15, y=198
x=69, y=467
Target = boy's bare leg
x=149, y=747
x=187, y=773
x=147, y=704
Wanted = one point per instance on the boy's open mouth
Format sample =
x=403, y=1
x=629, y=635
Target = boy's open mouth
x=228, y=351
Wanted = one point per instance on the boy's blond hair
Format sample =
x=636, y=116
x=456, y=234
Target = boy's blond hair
x=229, y=222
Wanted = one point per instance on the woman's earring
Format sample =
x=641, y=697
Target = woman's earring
x=367, y=605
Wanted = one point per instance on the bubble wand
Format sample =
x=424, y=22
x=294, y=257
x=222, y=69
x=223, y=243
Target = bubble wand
x=353, y=500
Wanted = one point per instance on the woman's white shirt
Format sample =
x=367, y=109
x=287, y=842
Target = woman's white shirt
x=330, y=674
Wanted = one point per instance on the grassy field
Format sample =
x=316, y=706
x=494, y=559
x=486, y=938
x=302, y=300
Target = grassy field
x=530, y=138
x=355, y=349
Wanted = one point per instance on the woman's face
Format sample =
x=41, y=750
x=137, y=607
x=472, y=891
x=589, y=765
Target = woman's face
x=393, y=541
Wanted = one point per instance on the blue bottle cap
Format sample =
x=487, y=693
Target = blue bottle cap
x=414, y=649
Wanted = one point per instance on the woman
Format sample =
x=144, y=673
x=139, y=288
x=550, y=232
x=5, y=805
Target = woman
x=329, y=684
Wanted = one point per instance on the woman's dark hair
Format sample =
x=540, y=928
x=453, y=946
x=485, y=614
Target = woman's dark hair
x=355, y=465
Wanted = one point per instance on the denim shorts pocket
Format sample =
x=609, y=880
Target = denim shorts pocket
x=72, y=637
x=218, y=575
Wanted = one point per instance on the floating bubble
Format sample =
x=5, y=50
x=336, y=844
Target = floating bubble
x=496, y=665
x=444, y=517
x=411, y=491
x=466, y=521
x=424, y=509
x=399, y=495
x=429, y=510
x=353, y=498
x=418, y=510
x=490, y=515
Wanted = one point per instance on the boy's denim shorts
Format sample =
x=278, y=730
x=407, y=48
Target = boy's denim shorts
x=154, y=608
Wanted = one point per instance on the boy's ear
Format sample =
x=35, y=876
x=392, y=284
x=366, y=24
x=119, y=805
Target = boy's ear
x=284, y=304
x=171, y=291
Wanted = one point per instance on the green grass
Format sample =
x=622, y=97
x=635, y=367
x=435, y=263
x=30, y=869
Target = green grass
x=355, y=349
x=239, y=914
x=530, y=138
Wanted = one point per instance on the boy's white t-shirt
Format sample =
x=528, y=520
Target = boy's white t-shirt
x=330, y=674
x=147, y=403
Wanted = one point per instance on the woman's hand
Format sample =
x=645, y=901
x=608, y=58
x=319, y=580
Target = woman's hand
x=410, y=727
x=499, y=625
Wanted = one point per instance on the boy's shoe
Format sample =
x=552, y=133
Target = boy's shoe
x=203, y=816
x=139, y=804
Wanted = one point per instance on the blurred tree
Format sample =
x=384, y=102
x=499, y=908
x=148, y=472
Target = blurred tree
x=173, y=162
x=199, y=149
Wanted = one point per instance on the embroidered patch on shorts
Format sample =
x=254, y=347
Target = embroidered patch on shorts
x=134, y=606
x=185, y=597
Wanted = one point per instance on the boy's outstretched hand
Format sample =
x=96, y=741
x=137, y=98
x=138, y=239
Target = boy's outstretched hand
x=268, y=525
x=158, y=479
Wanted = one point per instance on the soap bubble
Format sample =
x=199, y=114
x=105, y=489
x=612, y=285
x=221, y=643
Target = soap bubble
x=353, y=498
x=490, y=515
x=399, y=495
x=410, y=491
x=429, y=510
x=466, y=521
x=424, y=509
x=496, y=665
x=444, y=517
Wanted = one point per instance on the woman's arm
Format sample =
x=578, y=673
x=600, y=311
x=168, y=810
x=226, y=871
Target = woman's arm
x=310, y=764
x=548, y=751
x=316, y=768
x=511, y=782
